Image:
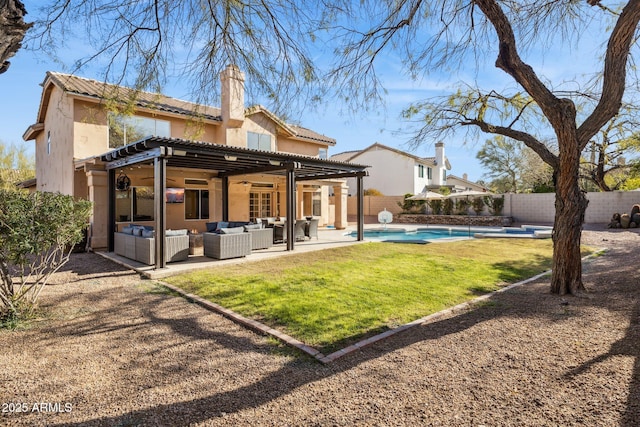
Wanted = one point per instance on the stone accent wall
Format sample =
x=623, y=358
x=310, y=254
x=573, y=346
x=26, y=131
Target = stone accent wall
x=495, y=221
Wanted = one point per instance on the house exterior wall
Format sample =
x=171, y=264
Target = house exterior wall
x=78, y=129
x=288, y=145
x=55, y=170
x=390, y=173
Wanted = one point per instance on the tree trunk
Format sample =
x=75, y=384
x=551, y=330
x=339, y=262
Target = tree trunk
x=571, y=205
x=12, y=30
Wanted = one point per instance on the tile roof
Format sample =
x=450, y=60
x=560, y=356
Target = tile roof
x=101, y=90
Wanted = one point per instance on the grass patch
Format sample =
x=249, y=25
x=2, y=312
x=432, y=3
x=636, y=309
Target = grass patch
x=334, y=297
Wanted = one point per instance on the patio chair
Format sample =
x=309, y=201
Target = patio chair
x=299, y=229
x=312, y=228
x=280, y=233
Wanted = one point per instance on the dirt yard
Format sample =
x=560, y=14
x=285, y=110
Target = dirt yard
x=113, y=350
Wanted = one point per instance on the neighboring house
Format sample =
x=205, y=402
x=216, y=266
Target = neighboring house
x=395, y=173
x=463, y=184
x=228, y=163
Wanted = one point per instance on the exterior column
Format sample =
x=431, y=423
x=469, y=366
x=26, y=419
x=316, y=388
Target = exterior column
x=111, y=224
x=300, y=212
x=225, y=198
x=341, y=192
x=98, y=186
x=160, y=188
x=360, y=195
x=291, y=207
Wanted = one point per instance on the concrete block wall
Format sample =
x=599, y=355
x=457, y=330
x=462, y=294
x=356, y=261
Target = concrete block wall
x=375, y=204
x=526, y=208
x=541, y=207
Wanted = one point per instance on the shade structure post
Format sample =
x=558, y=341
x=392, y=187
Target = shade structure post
x=291, y=205
x=225, y=198
x=360, y=210
x=160, y=207
x=111, y=226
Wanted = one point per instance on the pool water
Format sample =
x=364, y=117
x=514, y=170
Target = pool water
x=423, y=235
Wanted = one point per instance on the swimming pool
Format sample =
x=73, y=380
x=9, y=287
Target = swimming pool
x=426, y=234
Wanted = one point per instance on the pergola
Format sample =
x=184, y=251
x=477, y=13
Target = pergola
x=226, y=161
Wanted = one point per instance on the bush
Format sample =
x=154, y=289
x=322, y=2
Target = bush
x=411, y=206
x=478, y=205
x=37, y=234
x=372, y=192
x=462, y=206
x=495, y=204
x=447, y=206
x=436, y=206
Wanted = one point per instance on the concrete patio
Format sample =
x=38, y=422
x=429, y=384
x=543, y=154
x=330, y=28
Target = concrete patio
x=327, y=238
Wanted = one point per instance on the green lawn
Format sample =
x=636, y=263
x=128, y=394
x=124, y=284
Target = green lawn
x=331, y=298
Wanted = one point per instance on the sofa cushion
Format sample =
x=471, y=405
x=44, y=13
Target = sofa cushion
x=211, y=226
x=232, y=230
x=137, y=230
x=176, y=232
x=222, y=224
x=127, y=230
x=148, y=233
x=252, y=227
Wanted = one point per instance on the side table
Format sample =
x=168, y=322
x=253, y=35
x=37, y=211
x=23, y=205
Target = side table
x=196, y=245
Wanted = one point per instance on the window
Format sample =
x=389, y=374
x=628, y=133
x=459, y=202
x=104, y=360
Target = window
x=259, y=141
x=135, y=204
x=444, y=177
x=124, y=130
x=259, y=205
x=48, y=142
x=316, y=204
x=429, y=173
x=323, y=153
x=196, y=204
x=420, y=171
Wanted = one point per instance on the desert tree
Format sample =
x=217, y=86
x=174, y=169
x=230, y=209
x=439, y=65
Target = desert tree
x=612, y=155
x=12, y=30
x=143, y=44
x=443, y=34
x=16, y=165
x=502, y=160
x=512, y=166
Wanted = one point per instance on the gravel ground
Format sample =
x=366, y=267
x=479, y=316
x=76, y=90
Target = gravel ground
x=114, y=351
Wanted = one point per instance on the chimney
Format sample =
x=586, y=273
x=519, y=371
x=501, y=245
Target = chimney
x=440, y=153
x=439, y=172
x=232, y=101
x=465, y=177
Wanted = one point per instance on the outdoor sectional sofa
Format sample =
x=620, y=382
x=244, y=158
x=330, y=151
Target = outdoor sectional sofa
x=261, y=238
x=138, y=243
x=227, y=245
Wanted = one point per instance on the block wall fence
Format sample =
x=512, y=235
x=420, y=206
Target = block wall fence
x=524, y=208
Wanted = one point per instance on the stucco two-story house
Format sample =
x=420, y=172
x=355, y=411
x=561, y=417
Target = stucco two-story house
x=395, y=172
x=227, y=163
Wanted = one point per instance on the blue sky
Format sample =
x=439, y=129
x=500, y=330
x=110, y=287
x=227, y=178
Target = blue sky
x=21, y=90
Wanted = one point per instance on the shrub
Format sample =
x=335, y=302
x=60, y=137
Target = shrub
x=495, y=204
x=372, y=192
x=37, y=234
x=447, y=206
x=478, y=205
x=462, y=206
x=411, y=206
x=436, y=206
